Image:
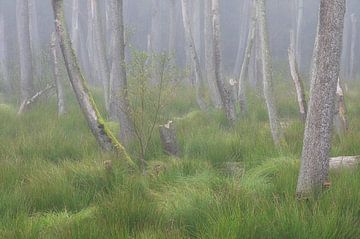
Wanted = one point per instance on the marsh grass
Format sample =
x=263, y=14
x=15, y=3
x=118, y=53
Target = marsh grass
x=53, y=183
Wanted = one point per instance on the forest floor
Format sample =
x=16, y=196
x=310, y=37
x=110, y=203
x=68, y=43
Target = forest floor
x=53, y=182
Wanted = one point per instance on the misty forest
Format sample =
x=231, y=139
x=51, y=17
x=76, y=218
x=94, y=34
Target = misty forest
x=179, y=119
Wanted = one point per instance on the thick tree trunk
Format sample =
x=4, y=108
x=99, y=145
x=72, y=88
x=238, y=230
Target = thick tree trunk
x=100, y=42
x=194, y=56
x=245, y=66
x=267, y=74
x=352, y=74
x=56, y=73
x=317, y=136
x=96, y=124
x=209, y=58
x=119, y=107
x=225, y=94
x=26, y=69
x=299, y=86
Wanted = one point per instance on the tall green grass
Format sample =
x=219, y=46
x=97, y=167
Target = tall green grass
x=53, y=182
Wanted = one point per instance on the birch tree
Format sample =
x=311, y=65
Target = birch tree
x=318, y=129
x=4, y=73
x=225, y=94
x=209, y=58
x=119, y=95
x=299, y=26
x=353, y=19
x=23, y=35
x=245, y=65
x=190, y=44
x=95, y=122
x=56, y=73
x=267, y=73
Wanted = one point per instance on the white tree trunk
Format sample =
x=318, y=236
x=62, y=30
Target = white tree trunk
x=99, y=43
x=245, y=65
x=340, y=118
x=75, y=31
x=172, y=27
x=267, y=74
x=119, y=106
x=352, y=74
x=225, y=94
x=4, y=73
x=209, y=58
x=194, y=55
x=319, y=122
x=56, y=73
x=299, y=24
x=96, y=124
x=299, y=86
x=26, y=69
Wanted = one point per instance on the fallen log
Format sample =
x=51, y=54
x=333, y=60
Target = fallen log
x=344, y=162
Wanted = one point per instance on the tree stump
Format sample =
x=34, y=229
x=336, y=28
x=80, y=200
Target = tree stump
x=169, y=140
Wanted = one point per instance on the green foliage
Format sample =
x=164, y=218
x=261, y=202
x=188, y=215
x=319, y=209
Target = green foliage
x=53, y=182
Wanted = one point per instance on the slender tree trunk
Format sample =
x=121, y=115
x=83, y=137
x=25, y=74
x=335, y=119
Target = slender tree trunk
x=299, y=86
x=194, y=55
x=352, y=74
x=299, y=24
x=75, y=31
x=172, y=27
x=209, y=58
x=96, y=124
x=244, y=25
x=317, y=136
x=35, y=40
x=267, y=74
x=119, y=100
x=4, y=74
x=245, y=66
x=100, y=41
x=26, y=69
x=225, y=94
x=340, y=119
x=56, y=72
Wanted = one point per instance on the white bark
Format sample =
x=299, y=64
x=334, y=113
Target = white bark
x=100, y=42
x=26, y=68
x=194, y=55
x=119, y=107
x=56, y=73
x=245, y=65
x=299, y=25
x=96, y=124
x=340, y=118
x=172, y=27
x=4, y=73
x=319, y=122
x=225, y=94
x=75, y=28
x=267, y=74
x=209, y=58
x=299, y=86
x=352, y=74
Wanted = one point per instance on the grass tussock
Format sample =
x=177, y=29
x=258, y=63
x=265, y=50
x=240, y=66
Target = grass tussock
x=53, y=183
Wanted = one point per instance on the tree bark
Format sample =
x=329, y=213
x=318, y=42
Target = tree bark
x=299, y=86
x=56, y=73
x=169, y=139
x=75, y=31
x=194, y=56
x=225, y=94
x=340, y=119
x=318, y=129
x=119, y=106
x=26, y=68
x=96, y=124
x=299, y=24
x=352, y=74
x=100, y=42
x=245, y=65
x=267, y=74
x=209, y=58
x=4, y=73
x=172, y=27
